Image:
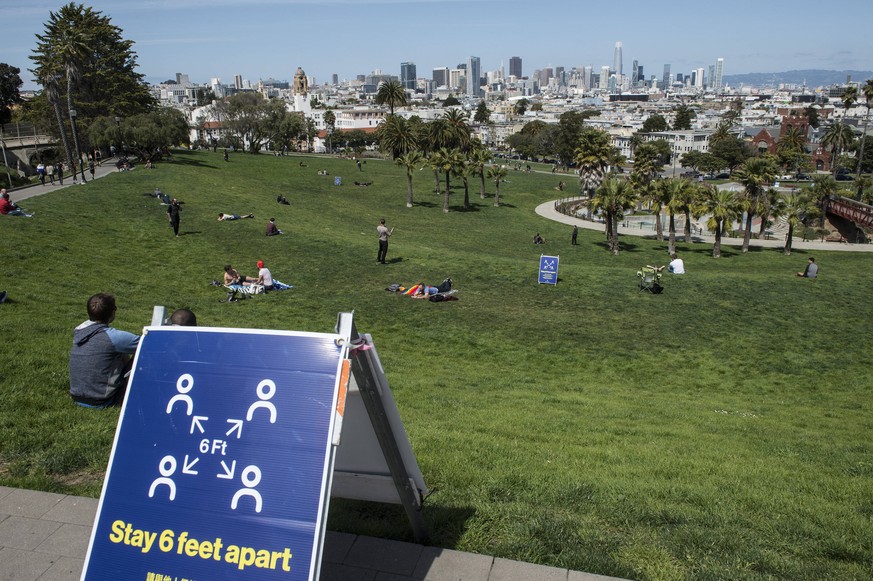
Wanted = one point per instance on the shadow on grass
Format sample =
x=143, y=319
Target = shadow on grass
x=388, y=521
x=192, y=162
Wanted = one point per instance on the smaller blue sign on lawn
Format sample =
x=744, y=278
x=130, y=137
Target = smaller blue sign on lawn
x=548, y=269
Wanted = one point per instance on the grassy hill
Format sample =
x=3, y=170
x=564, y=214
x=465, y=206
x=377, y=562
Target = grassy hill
x=718, y=430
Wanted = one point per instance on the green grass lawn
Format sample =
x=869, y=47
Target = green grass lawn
x=720, y=430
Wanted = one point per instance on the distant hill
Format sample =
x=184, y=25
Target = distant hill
x=811, y=77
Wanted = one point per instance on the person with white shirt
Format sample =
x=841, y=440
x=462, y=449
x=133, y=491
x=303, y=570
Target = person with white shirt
x=265, y=277
x=676, y=265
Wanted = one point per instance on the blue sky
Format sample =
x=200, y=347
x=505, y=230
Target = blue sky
x=271, y=38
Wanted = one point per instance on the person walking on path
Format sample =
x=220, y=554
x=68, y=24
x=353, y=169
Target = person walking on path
x=91, y=168
x=40, y=171
x=173, y=215
x=574, y=235
x=50, y=172
x=384, y=233
x=60, y=170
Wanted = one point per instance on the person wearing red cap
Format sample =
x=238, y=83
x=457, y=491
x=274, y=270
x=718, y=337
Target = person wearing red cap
x=265, y=277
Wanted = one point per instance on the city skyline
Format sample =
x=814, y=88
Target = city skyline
x=260, y=39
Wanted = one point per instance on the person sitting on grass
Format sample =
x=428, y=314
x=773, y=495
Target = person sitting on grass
x=265, y=277
x=537, y=239
x=811, y=270
x=676, y=266
x=231, y=277
x=283, y=200
x=9, y=208
x=271, y=229
x=100, y=361
x=222, y=217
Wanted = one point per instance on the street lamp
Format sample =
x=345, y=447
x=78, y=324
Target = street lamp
x=76, y=142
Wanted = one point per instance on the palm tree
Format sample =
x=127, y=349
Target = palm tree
x=496, y=173
x=391, y=93
x=653, y=195
x=330, y=122
x=867, y=90
x=410, y=160
x=396, y=135
x=795, y=207
x=457, y=128
x=613, y=197
x=770, y=208
x=72, y=48
x=676, y=193
x=437, y=161
x=479, y=158
x=753, y=175
x=823, y=187
x=791, y=145
x=593, y=156
x=837, y=138
x=465, y=170
x=52, y=92
x=723, y=209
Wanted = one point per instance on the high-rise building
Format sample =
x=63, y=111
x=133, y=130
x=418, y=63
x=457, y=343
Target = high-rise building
x=440, y=76
x=711, y=76
x=561, y=76
x=635, y=74
x=455, y=78
x=587, y=77
x=698, y=81
x=182, y=79
x=515, y=67
x=719, y=73
x=640, y=76
x=665, y=80
x=604, y=77
x=616, y=59
x=473, y=74
x=237, y=81
x=407, y=76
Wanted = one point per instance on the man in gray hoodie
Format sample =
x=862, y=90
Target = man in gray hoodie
x=100, y=358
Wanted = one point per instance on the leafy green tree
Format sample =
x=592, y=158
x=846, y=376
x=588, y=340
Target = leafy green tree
x=655, y=123
x=723, y=209
x=411, y=161
x=754, y=175
x=691, y=159
x=684, y=116
x=732, y=150
x=391, y=93
x=867, y=91
x=498, y=174
x=536, y=106
x=811, y=113
x=567, y=134
x=711, y=164
x=10, y=83
x=614, y=196
x=253, y=119
x=521, y=107
x=146, y=134
x=451, y=101
x=483, y=115
x=102, y=66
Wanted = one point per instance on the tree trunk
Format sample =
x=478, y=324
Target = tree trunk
x=64, y=139
x=716, y=248
x=863, y=140
x=788, y=239
x=482, y=177
x=659, y=227
x=446, y=202
x=747, y=234
x=466, y=193
x=687, y=231
x=408, y=190
x=73, y=128
x=436, y=181
x=614, y=221
x=448, y=174
x=497, y=193
x=671, y=246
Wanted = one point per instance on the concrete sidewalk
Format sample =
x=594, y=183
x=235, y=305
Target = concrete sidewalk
x=44, y=536
x=38, y=189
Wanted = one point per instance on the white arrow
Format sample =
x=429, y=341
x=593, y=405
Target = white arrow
x=228, y=472
x=195, y=422
x=236, y=425
x=186, y=467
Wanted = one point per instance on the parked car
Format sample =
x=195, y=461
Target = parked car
x=845, y=177
x=802, y=176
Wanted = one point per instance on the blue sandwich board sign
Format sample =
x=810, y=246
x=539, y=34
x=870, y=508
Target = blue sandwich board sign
x=222, y=458
x=548, y=269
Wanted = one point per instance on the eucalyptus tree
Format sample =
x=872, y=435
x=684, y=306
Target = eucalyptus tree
x=723, y=208
x=614, y=196
x=498, y=174
x=867, y=91
x=754, y=175
x=796, y=208
x=411, y=161
x=10, y=82
x=391, y=93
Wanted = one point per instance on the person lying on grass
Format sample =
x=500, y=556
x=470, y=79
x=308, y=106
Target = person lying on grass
x=222, y=217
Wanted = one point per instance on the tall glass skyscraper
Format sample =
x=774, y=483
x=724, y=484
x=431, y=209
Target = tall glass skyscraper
x=616, y=59
x=473, y=74
x=407, y=76
x=515, y=66
x=719, y=73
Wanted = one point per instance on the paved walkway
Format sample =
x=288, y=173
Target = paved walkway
x=547, y=210
x=44, y=536
x=25, y=192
